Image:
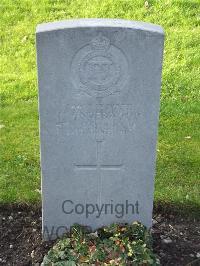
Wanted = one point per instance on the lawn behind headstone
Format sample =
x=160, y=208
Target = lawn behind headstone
x=178, y=151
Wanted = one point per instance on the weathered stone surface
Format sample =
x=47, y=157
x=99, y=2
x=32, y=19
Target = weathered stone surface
x=99, y=89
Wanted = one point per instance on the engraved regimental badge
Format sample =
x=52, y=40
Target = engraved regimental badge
x=99, y=68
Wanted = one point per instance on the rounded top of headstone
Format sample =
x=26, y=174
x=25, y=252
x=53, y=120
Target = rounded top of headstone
x=98, y=22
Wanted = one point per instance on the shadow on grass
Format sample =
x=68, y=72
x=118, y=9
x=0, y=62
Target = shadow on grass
x=189, y=209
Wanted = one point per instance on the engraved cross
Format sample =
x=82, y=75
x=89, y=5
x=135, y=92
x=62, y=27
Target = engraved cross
x=99, y=136
x=99, y=167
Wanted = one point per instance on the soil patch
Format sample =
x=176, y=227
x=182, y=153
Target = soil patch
x=176, y=239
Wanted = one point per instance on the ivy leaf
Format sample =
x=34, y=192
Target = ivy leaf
x=65, y=263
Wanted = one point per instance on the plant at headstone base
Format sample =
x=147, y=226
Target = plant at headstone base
x=117, y=244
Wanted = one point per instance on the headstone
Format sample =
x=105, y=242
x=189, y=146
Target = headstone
x=99, y=89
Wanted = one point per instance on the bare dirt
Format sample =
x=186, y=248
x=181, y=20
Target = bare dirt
x=176, y=239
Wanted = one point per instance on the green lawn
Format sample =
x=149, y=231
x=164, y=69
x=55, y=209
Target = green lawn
x=178, y=161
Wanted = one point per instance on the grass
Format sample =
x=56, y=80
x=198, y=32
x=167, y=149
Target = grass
x=178, y=160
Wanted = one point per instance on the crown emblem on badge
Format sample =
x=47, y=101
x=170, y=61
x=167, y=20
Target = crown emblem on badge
x=99, y=68
x=100, y=43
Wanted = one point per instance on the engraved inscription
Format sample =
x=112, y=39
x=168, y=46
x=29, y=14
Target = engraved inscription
x=99, y=119
x=99, y=69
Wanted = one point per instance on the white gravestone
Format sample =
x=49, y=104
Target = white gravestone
x=99, y=89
